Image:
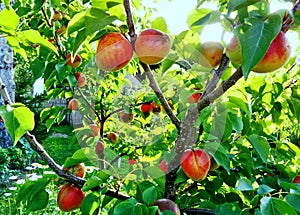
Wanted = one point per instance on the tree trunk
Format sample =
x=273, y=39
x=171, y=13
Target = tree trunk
x=7, y=76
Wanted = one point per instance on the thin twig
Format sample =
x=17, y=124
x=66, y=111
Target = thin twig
x=154, y=85
x=129, y=20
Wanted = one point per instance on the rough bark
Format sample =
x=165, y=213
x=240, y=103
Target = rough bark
x=7, y=76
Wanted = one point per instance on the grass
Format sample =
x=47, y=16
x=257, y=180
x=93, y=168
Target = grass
x=60, y=143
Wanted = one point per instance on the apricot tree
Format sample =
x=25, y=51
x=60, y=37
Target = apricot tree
x=233, y=149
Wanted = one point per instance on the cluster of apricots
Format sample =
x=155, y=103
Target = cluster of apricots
x=114, y=52
x=152, y=46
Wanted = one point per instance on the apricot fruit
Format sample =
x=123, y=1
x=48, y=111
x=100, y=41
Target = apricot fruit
x=297, y=179
x=112, y=137
x=126, y=117
x=73, y=104
x=99, y=148
x=211, y=54
x=77, y=170
x=74, y=63
x=152, y=46
x=163, y=166
x=95, y=129
x=167, y=204
x=131, y=161
x=62, y=29
x=114, y=52
x=156, y=108
x=81, y=79
x=277, y=54
x=195, y=164
x=146, y=107
x=57, y=15
x=194, y=98
x=70, y=197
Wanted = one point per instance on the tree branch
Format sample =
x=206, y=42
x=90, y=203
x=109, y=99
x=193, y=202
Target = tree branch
x=217, y=74
x=4, y=93
x=154, y=85
x=197, y=211
x=129, y=20
x=212, y=96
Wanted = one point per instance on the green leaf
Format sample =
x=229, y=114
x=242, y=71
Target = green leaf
x=38, y=201
x=52, y=114
x=37, y=67
x=79, y=40
x=219, y=153
x=157, y=174
x=264, y=189
x=288, y=185
x=239, y=103
x=261, y=145
x=90, y=203
x=91, y=183
x=55, y=3
x=33, y=193
x=293, y=199
x=125, y=207
x=136, y=4
x=62, y=71
x=17, y=120
x=236, y=122
x=256, y=40
x=24, y=191
x=181, y=176
x=169, y=61
x=38, y=4
x=297, y=17
x=275, y=206
x=239, y=4
x=141, y=187
x=203, y=16
x=100, y=4
x=13, y=41
x=228, y=208
x=10, y=23
x=34, y=37
x=79, y=156
x=160, y=24
x=92, y=20
x=244, y=184
x=149, y=195
x=76, y=23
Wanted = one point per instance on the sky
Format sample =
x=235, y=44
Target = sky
x=176, y=12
